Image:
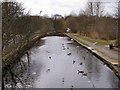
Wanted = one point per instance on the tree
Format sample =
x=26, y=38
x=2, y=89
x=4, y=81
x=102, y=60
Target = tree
x=10, y=12
x=47, y=26
x=72, y=24
x=94, y=8
x=98, y=8
x=89, y=10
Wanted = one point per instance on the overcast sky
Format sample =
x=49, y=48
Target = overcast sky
x=63, y=7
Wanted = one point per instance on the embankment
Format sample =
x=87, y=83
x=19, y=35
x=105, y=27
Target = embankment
x=9, y=60
x=98, y=55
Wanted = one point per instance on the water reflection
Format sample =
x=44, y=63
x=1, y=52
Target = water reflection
x=59, y=62
x=21, y=75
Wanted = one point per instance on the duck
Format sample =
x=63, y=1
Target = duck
x=49, y=57
x=73, y=61
x=83, y=57
x=84, y=74
x=80, y=71
x=48, y=70
x=63, y=80
x=69, y=54
x=72, y=87
x=81, y=63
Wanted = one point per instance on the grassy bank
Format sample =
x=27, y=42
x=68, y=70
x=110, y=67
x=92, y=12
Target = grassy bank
x=14, y=56
x=99, y=54
x=77, y=40
x=99, y=42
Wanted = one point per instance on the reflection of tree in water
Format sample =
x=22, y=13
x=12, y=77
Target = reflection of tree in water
x=113, y=80
x=15, y=75
x=89, y=63
x=92, y=65
x=20, y=74
x=39, y=43
x=28, y=57
x=11, y=79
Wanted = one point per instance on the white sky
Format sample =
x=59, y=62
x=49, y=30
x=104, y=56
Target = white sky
x=63, y=7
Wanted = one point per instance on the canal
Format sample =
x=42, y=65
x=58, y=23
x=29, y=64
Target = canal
x=60, y=62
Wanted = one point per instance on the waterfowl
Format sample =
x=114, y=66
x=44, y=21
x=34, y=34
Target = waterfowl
x=63, y=80
x=73, y=61
x=81, y=63
x=72, y=87
x=83, y=57
x=84, y=74
x=69, y=54
x=49, y=57
x=48, y=70
x=80, y=71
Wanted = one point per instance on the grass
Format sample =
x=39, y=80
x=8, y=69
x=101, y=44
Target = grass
x=80, y=42
x=99, y=42
x=77, y=40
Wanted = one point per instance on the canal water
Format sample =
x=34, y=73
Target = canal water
x=60, y=62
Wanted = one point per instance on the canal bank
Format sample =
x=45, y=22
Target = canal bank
x=100, y=54
x=9, y=60
x=59, y=62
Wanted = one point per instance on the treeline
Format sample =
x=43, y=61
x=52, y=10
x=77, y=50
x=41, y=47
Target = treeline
x=93, y=23
x=18, y=26
x=97, y=28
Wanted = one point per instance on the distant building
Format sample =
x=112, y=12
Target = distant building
x=57, y=16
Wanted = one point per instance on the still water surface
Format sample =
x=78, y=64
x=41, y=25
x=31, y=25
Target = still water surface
x=58, y=62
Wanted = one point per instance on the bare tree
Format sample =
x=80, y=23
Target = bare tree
x=94, y=8
x=98, y=8
x=89, y=9
x=10, y=11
